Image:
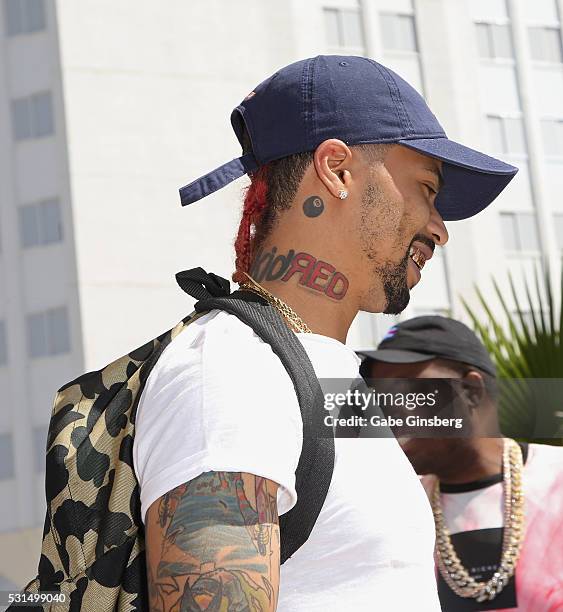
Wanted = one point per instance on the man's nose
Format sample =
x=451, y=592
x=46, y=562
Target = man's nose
x=437, y=228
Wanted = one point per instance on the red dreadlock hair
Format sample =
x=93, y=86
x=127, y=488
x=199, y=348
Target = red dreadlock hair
x=254, y=206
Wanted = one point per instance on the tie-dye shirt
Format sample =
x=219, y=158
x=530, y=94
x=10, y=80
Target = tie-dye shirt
x=475, y=515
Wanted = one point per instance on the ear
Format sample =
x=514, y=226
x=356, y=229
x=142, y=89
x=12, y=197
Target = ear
x=332, y=161
x=474, y=389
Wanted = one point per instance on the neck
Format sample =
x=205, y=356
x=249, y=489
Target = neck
x=481, y=458
x=312, y=285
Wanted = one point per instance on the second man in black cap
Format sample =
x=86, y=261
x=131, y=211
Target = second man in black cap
x=497, y=504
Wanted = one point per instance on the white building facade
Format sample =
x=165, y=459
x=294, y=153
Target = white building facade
x=107, y=108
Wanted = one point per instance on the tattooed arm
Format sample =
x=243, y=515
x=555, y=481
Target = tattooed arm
x=213, y=544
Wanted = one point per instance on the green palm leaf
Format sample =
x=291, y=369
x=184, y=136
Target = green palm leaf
x=527, y=350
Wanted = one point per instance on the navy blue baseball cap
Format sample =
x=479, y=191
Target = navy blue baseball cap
x=358, y=101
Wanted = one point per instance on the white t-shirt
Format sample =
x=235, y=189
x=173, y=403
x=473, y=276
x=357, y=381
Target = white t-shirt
x=219, y=399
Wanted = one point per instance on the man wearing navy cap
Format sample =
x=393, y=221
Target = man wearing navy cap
x=498, y=505
x=351, y=179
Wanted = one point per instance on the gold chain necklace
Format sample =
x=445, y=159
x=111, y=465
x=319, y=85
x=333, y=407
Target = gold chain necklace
x=293, y=319
x=453, y=572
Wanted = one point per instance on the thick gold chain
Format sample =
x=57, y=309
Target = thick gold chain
x=293, y=319
x=453, y=572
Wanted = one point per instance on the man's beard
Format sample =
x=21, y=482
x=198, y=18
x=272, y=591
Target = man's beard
x=444, y=457
x=393, y=276
x=394, y=280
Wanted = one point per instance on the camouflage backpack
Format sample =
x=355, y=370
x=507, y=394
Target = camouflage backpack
x=93, y=540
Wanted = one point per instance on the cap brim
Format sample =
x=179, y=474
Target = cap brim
x=472, y=180
x=217, y=179
x=396, y=356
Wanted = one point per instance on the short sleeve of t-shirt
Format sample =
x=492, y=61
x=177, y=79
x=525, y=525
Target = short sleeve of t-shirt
x=218, y=399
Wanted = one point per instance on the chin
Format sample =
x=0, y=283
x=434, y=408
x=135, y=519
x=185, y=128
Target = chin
x=398, y=303
x=419, y=452
x=412, y=278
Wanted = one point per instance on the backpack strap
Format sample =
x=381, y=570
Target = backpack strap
x=316, y=463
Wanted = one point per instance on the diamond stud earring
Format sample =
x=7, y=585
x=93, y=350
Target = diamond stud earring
x=342, y=194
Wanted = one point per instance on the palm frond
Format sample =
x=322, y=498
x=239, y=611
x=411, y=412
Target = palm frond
x=527, y=350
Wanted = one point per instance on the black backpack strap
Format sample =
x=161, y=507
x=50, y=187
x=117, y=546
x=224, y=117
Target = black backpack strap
x=316, y=463
x=200, y=284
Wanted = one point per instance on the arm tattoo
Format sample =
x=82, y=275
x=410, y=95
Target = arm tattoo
x=312, y=273
x=213, y=544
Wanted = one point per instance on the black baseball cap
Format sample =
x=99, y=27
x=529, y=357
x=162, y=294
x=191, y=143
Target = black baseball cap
x=358, y=101
x=432, y=337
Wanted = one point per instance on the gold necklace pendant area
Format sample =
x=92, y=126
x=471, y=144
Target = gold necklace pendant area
x=294, y=321
x=453, y=572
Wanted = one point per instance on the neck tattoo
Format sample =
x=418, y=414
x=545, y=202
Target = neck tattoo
x=312, y=273
x=313, y=206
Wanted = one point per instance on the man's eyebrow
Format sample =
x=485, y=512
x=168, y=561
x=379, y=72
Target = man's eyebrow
x=437, y=174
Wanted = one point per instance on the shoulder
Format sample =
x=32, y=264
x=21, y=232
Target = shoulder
x=218, y=361
x=543, y=471
x=216, y=338
x=545, y=453
x=218, y=399
x=545, y=456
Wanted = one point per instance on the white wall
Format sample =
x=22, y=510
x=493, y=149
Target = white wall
x=148, y=96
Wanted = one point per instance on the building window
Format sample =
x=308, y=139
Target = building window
x=3, y=344
x=24, y=16
x=519, y=231
x=7, y=470
x=40, y=223
x=344, y=28
x=48, y=333
x=545, y=44
x=32, y=117
x=494, y=40
x=558, y=224
x=398, y=32
x=552, y=132
x=39, y=447
x=506, y=135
